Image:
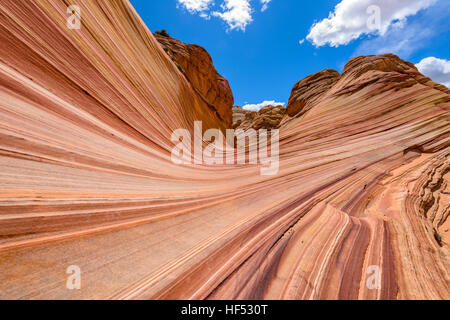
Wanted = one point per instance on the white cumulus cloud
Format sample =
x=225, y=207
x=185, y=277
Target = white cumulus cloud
x=354, y=18
x=259, y=106
x=236, y=13
x=196, y=6
x=436, y=69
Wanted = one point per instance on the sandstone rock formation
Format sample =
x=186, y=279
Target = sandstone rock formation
x=196, y=64
x=309, y=90
x=241, y=114
x=86, y=178
x=386, y=69
x=269, y=117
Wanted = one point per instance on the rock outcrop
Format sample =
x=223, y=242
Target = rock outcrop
x=383, y=69
x=309, y=90
x=268, y=117
x=196, y=64
x=358, y=210
x=388, y=69
x=241, y=115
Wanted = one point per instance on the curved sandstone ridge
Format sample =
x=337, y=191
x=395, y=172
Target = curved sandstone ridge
x=196, y=64
x=86, y=178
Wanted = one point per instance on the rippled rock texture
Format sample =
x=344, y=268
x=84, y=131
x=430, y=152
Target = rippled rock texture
x=86, y=178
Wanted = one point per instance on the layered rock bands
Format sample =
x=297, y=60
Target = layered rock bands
x=86, y=177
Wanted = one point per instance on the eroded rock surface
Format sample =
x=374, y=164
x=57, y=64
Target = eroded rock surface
x=269, y=117
x=386, y=69
x=86, y=177
x=309, y=90
x=196, y=64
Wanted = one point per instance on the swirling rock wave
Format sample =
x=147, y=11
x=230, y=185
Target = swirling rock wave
x=86, y=177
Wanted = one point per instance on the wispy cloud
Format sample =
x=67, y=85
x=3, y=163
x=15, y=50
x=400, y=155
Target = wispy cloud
x=406, y=38
x=259, y=106
x=436, y=69
x=353, y=18
x=402, y=41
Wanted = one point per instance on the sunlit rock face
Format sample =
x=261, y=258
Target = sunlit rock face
x=86, y=178
x=196, y=64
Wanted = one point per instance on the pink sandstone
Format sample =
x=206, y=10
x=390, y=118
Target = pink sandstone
x=86, y=177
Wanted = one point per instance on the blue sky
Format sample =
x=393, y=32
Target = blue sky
x=255, y=44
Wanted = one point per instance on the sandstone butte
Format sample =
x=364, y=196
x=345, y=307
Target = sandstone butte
x=86, y=177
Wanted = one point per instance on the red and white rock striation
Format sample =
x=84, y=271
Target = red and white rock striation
x=86, y=177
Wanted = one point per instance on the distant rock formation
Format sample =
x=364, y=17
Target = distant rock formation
x=269, y=117
x=241, y=115
x=387, y=71
x=196, y=64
